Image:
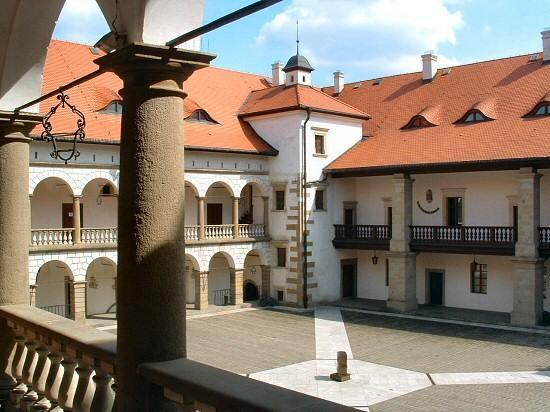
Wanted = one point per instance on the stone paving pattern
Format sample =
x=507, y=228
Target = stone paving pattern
x=431, y=347
x=533, y=397
x=251, y=341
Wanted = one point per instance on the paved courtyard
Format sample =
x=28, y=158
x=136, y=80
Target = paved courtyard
x=397, y=364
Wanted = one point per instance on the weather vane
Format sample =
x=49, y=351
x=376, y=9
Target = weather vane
x=68, y=137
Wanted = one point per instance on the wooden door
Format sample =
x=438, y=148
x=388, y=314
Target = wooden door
x=67, y=215
x=349, y=281
x=214, y=214
x=436, y=288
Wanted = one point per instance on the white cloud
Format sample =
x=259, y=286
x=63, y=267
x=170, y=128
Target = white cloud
x=379, y=36
x=80, y=8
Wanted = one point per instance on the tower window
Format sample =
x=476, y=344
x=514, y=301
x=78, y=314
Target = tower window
x=320, y=144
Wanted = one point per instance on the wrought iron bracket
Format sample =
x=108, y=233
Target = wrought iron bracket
x=65, y=137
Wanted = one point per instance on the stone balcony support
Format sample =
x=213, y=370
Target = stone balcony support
x=402, y=263
x=236, y=286
x=528, y=266
x=201, y=290
x=14, y=213
x=151, y=243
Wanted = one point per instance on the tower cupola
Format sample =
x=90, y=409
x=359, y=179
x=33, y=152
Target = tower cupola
x=297, y=69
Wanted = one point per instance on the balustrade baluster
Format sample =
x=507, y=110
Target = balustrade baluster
x=29, y=367
x=84, y=389
x=68, y=384
x=53, y=381
x=104, y=396
x=16, y=369
x=39, y=379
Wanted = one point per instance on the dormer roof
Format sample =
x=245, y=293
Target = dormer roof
x=298, y=62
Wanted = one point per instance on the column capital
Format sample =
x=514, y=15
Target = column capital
x=77, y=197
x=17, y=126
x=235, y=197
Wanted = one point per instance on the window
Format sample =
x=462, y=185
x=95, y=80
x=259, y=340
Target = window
x=200, y=116
x=320, y=144
x=473, y=116
x=115, y=107
x=280, y=295
x=319, y=199
x=279, y=200
x=387, y=272
x=281, y=257
x=418, y=121
x=454, y=211
x=479, y=277
x=542, y=109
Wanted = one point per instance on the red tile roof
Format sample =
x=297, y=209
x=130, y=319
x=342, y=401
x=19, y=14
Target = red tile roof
x=219, y=92
x=504, y=90
x=285, y=98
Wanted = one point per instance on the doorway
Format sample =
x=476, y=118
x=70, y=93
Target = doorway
x=214, y=214
x=67, y=217
x=349, y=279
x=250, y=291
x=435, y=287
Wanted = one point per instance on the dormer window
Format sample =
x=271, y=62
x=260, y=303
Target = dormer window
x=200, y=116
x=473, y=116
x=417, y=122
x=115, y=107
x=541, y=109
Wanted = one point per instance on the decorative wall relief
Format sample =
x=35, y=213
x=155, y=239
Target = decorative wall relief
x=428, y=212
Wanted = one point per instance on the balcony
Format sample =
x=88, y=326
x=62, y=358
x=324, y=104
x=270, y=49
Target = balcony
x=490, y=240
x=544, y=241
x=47, y=239
x=59, y=364
x=372, y=237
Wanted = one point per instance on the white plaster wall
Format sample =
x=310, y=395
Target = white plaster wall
x=46, y=204
x=457, y=293
x=222, y=196
x=191, y=207
x=90, y=154
x=370, y=194
x=225, y=162
x=50, y=284
x=101, y=298
x=545, y=198
x=218, y=276
x=371, y=279
x=98, y=211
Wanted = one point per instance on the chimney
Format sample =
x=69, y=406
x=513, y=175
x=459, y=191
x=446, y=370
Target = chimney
x=277, y=70
x=338, y=82
x=429, y=66
x=546, y=45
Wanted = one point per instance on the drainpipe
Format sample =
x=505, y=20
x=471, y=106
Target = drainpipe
x=304, y=207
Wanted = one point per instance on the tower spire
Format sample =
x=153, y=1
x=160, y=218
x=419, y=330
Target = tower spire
x=297, y=39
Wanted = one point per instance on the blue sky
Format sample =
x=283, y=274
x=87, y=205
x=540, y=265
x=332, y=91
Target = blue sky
x=364, y=38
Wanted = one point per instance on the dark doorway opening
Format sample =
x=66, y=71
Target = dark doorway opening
x=214, y=214
x=436, y=288
x=250, y=292
x=349, y=280
x=67, y=220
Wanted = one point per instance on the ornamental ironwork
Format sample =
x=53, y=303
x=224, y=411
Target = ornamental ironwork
x=64, y=137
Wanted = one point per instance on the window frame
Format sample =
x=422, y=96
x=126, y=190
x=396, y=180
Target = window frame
x=279, y=187
x=478, y=287
x=423, y=122
x=323, y=134
x=534, y=112
x=283, y=250
x=200, y=116
x=475, y=113
x=320, y=193
x=117, y=104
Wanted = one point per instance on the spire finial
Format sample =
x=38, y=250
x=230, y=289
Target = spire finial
x=297, y=39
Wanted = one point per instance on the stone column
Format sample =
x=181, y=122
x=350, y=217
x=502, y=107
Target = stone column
x=78, y=301
x=151, y=240
x=402, y=263
x=235, y=217
x=201, y=290
x=14, y=225
x=201, y=217
x=266, y=215
x=266, y=281
x=76, y=219
x=236, y=286
x=528, y=266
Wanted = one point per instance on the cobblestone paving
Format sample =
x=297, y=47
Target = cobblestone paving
x=251, y=341
x=436, y=347
x=533, y=397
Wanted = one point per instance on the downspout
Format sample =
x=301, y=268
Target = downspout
x=304, y=207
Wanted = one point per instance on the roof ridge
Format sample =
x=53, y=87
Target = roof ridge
x=340, y=101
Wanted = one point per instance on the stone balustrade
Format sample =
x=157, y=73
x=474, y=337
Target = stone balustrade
x=42, y=237
x=218, y=231
x=192, y=386
x=192, y=232
x=104, y=235
x=252, y=230
x=58, y=364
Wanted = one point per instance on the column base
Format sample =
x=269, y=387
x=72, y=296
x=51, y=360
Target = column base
x=402, y=282
x=528, y=291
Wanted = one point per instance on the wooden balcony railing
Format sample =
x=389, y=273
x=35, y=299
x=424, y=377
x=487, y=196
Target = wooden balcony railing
x=59, y=364
x=464, y=239
x=109, y=235
x=375, y=237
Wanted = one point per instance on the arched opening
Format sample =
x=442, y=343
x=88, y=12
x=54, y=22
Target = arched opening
x=53, y=291
x=251, y=291
x=191, y=268
x=101, y=287
x=252, y=275
x=219, y=205
x=219, y=279
x=52, y=205
x=251, y=205
x=99, y=204
x=191, y=212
